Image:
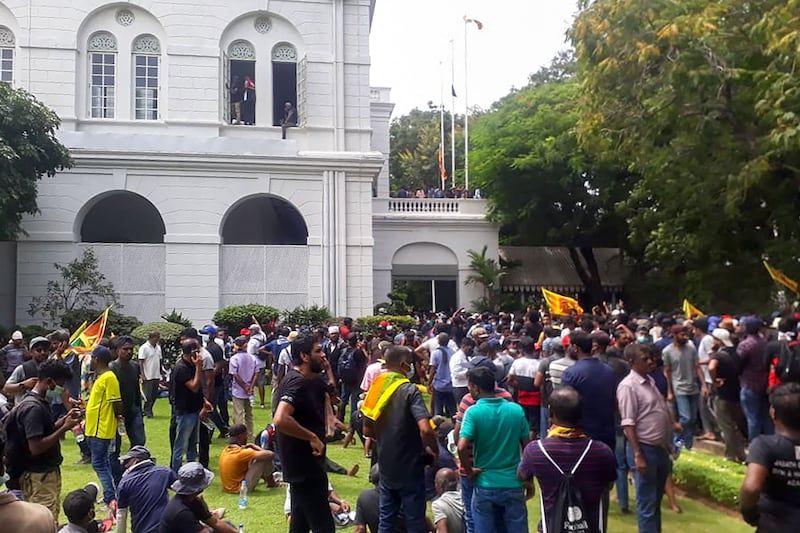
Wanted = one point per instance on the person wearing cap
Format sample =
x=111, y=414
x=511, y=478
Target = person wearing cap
x=142, y=492
x=333, y=347
x=150, y=362
x=683, y=371
x=79, y=508
x=103, y=411
x=243, y=370
x=257, y=347
x=216, y=394
x=34, y=439
x=18, y=515
x=23, y=378
x=187, y=510
x=240, y=460
x=12, y=354
x=723, y=368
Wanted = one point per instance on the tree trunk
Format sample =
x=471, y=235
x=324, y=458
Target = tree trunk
x=588, y=272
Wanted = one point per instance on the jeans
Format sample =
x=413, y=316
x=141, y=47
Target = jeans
x=755, y=406
x=150, y=390
x=622, y=471
x=444, y=403
x=507, y=504
x=650, y=486
x=220, y=415
x=731, y=422
x=411, y=499
x=101, y=462
x=687, y=405
x=708, y=417
x=134, y=427
x=187, y=432
x=544, y=421
x=349, y=395
x=466, y=498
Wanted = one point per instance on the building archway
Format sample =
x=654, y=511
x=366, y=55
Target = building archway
x=264, y=220
x=121, y=217
x=428, y=273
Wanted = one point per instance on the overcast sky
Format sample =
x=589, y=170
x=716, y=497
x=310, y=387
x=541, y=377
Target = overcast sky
x=410, y=38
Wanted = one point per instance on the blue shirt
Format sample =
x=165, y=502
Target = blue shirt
x=597, y=384
x=440, y=359
x=143, y=489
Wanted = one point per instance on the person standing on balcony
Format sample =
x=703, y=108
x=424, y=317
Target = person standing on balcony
x=249, y=102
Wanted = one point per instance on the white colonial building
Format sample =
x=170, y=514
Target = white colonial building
x=187, y=210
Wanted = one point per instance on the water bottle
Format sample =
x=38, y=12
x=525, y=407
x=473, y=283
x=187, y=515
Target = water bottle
x=243, y=495
x=121, y=427
x=241, y=528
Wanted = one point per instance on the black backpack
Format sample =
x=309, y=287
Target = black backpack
x=569, y=514
x=348, y=370
x=788, y=369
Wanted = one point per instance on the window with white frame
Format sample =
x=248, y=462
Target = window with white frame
x=7, y=43
x=102, y=50
x=146, y=56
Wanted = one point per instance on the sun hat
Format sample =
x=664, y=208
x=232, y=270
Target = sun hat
x=192, y=478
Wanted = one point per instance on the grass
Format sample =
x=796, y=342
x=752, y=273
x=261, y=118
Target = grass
x=265, y=512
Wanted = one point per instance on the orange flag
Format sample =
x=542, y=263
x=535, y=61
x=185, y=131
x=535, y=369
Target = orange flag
x=781, y=278
x=90, y=337
x=560, y=305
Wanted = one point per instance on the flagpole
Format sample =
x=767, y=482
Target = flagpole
x=466, y=110
x=453, y=113
x=441, y=123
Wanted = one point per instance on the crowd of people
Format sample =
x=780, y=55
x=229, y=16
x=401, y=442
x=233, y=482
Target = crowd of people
x=577, y=403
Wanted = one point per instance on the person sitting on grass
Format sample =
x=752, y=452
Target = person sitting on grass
x=187, y=511
x=340, y=509
x=79, y=508
x=240, y=460
x=143, y=490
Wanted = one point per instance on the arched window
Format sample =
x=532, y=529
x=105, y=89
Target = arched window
x=240, y=64
x=102, y=49
x=264, y=220
x=7, y=44
x=146, y=51
x=123, y=217
x=284, y=81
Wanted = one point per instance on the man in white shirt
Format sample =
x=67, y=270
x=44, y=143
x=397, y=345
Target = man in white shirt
x=459, y=365
x=704, y=343
x=150, y=359
x=255, y=347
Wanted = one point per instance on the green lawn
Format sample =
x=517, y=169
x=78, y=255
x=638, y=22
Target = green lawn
x=266, y=506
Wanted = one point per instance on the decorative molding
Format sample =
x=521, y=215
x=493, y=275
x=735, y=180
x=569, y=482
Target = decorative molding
x=284, y=53
x=147, y=44
x=102, y=41
x=242, y=50
x=263, y=24
x=7, y=39
x=125, y=17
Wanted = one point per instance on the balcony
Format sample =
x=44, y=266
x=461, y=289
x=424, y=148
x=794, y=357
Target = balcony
x=427, y=208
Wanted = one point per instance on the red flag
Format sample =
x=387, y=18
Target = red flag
x=478, y=23
x=442, y=170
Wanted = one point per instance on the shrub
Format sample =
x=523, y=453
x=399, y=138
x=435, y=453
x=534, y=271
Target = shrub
x=235, y=317
x=177, y=318
x=170, y=333
x=369, y=324
x=314, y=316
x=117, y=323
x=709, y=476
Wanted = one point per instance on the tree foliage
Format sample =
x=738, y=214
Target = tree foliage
x=414, y=157
x=700, y=99
x=487, y=272
x=543, y=187
x=313, y=315
x=28, y=151
x=81, y=286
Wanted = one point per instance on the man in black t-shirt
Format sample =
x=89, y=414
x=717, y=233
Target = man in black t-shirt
x=217, y=397
x=187, y=401
x=300, y=421
x=770, y=495
x=723, y=366
x=406, y=444
x=187, y=512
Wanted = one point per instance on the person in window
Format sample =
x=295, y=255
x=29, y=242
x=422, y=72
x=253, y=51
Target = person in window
x=249, y=101
x=236, y=91
x=289, y=118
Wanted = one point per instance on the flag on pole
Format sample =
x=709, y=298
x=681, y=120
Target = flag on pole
x=442, y=170
x=478, y=23
x=780, y=277
x=560, y=305
x=691, y=311
x=90, y=336
x=453, y=90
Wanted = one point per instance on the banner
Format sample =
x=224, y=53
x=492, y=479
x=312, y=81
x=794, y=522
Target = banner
x=691, y=311
x=781, y=278
x=560, y=305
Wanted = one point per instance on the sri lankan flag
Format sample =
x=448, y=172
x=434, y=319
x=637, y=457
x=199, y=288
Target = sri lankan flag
x=86, y=338
x=691, y=311
x=781, y=278
x=380, y=392
x=560, y=305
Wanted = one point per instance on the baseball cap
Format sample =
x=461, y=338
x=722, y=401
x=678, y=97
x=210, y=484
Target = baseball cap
x=38, y=340
x=102, y=354
x=79, y=502
x=333, y=329
x=724, y=336
x=244, y=331
x=209, y=329
x=480, y=333
x=16, y=336
x=241, y=340
x=136, y=452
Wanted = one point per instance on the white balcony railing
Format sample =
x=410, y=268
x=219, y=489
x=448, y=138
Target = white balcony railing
x=428, y=206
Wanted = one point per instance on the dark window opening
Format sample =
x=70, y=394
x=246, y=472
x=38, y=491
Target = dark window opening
x=265, y=221
x=242, y=98
x=123, y=218
x=284, y=89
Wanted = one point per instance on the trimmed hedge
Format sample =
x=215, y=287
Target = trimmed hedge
x=314, y=316
x=710, y=476
x=235, y=317
x=170, y=332
x=368, y=324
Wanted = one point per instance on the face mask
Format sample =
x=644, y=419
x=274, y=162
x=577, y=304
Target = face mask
x=641, y=339
x=512, y=351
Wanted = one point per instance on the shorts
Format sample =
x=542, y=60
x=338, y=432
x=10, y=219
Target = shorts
x=532, y=413
x=261, y=377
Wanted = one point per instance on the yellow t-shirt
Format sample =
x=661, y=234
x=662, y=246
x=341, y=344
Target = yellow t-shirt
x=100, y=419
x=233, y=464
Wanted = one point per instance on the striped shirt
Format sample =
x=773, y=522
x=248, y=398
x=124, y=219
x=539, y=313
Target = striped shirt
x=557, y=369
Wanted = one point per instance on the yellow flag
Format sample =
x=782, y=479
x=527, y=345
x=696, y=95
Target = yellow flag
x=560, y=305
x=691, y=311
x=781, y=278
